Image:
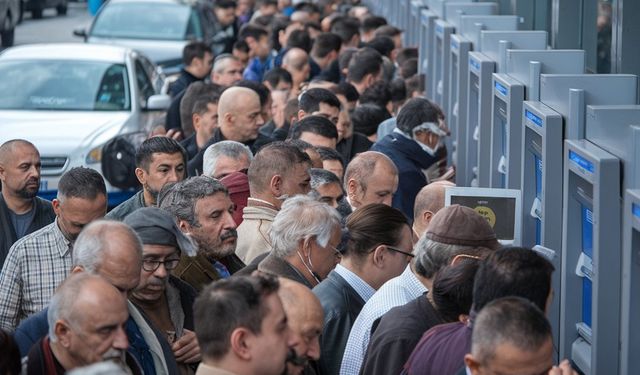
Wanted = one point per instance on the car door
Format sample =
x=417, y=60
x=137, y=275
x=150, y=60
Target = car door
x=145, y=74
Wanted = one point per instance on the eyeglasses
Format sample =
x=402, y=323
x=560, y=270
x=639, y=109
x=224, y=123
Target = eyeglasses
x=150, y=265
x=399, y=251
x=337, y=252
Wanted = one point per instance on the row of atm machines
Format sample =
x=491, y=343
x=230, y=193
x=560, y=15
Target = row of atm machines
x=524, y=116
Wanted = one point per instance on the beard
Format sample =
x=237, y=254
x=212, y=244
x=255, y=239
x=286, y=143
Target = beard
x=30, y=189
x=154, y=193
x=216, y=249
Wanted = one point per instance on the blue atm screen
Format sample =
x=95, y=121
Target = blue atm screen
x=538, y=164
x=587, y=249
x=636, y=210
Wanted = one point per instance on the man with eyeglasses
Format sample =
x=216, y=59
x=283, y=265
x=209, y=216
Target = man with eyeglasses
x=166, y=300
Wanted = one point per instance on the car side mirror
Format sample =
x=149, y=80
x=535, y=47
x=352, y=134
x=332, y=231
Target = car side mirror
x=80, y=32
x=159, y=102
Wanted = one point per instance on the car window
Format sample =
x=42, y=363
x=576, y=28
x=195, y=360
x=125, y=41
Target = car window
x=157, y=79
x=64, y=85
x=145, y=86
x=134, y=20
x=194, y=27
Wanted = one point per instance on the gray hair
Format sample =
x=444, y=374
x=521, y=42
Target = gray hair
x=221, y=62
x=321, y=177
x=515, y=321
x=301, y=218
x=94, y=241
x=63, y=301
x=230, y=149
x=181, y=198
x=431, y=256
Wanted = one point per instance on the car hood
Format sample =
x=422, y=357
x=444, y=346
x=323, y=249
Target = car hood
x=61, y=132
x=159, y=51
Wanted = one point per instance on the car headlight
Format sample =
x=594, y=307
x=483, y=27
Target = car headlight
x=94, y=156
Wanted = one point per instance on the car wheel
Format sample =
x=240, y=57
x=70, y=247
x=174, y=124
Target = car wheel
x=61, y=9
x=36, y=13
x=8, y=32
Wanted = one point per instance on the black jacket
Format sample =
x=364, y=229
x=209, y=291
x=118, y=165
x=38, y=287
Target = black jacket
x=43, y=217
x=182, y=83
x=341, y=305
x=280, y=267
x=191, y=146
x=352, y=146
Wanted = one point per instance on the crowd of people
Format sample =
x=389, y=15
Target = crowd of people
x=290, y=219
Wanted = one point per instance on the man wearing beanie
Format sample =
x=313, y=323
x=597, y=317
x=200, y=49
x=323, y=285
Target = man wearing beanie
x=166, y=300
x=453, y=231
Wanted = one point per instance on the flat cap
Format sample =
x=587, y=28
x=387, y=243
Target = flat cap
x=459, y=225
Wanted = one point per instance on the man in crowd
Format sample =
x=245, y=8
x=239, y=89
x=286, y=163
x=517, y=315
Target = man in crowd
x=197, y=59
x=86, y=318
x=159, y=161
x=21, y=211
x=225, y=157
x=317, y=131
x=296, y=62
x=249, y=334
x=39, y=262
x=304, y=316
x=225, y=30
x=376, y=251
x=365, y=69
x=412, y=147
x=278, y=171
x=112, y=250
x=164, y=299
x=257, y=38
x=326, y=187
x=203, y=115
x=332, y=161
x=227, y=70
x=428, y=202
x=454, y=230
x=304, y=238
x=203, y=211
x=371, y=177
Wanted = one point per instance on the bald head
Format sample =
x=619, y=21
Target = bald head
x=8, y=149
x=296, y=62
x=428, y=202
x=371, y=177
x=19, y=174
x=239, y=114
x=305, y=319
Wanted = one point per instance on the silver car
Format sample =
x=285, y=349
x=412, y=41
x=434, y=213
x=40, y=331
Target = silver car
x=70, y=99
x=158, y=28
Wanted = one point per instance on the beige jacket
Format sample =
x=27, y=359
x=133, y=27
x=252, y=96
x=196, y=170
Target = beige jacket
x=253, y=232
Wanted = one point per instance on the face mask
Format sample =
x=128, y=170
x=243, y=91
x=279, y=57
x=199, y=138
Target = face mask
x=427, y=149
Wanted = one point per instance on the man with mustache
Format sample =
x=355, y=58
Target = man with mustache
x=39, y=262
x=166, y=300
x=159, y=161
x=21, y=212
x=204, y=211
x=87, y=318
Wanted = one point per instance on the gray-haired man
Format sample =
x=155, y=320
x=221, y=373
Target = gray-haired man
x=225, y=157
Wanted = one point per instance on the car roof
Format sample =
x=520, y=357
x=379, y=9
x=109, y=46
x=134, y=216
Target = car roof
x=67, y=51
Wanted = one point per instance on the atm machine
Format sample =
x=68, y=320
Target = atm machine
x=468, y=31
x=443, y=29
x=596, y=170
x=629, y=324
x=546, y=124
x=412, y=33
x=490, y=57
x=427, y=21
x=520, y=81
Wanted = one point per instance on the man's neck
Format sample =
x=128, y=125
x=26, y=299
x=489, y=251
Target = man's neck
x=62, y=356
x=190, y=71
x=361, y=272
x=227, y=133
x=201, y=141
x=17, y=205
x=265, y=200
x=149, y=199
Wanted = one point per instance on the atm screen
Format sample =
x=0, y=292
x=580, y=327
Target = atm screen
x=472, y=123
x=500, y=123
x=587, y=249
x=500, y=212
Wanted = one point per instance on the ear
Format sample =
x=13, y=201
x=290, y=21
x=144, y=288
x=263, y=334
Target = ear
x=301, y=114
x=63, y=333
x=140, y=175
x=184, y=226
x=56, y=206
x=371, y=79
x=379, y=255
x=306, y=246
x=2, y=172
x=229, y=117
x=472, y=363
x=352, y=187
x=77, y=269
x=275, y=185
x=195, y=119
x=241, y=342
x=426, y=217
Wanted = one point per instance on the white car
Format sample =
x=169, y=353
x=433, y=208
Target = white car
x=70, y=99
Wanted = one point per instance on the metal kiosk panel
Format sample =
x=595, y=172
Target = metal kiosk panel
x=630, y=325
x=441, y=43
x=542, y=192
x=427, y=20
x=413, y=29
x=478, y=112
x=453, y=11
x=471, y=26
x=506, y=135
x=589, y=324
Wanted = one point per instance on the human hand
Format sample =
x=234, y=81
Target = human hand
x=563, y=369
x=186, y=348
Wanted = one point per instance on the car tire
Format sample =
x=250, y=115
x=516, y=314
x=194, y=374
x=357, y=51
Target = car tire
x=7, y=35
x=61, y=9
x=36, y=13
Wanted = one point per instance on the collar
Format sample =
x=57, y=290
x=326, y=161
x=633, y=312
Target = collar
x=204, y=369
x=364, y=290
x=257, y=202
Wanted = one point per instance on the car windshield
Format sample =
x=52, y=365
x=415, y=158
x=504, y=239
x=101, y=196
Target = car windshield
x=63, y=85
x=132, y=20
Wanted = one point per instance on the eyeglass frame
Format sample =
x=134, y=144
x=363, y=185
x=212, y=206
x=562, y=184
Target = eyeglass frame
x=393, y=248
x=157, y=264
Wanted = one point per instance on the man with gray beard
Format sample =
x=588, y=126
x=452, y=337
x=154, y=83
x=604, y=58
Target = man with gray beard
x=21, y=212
x=204, y=211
